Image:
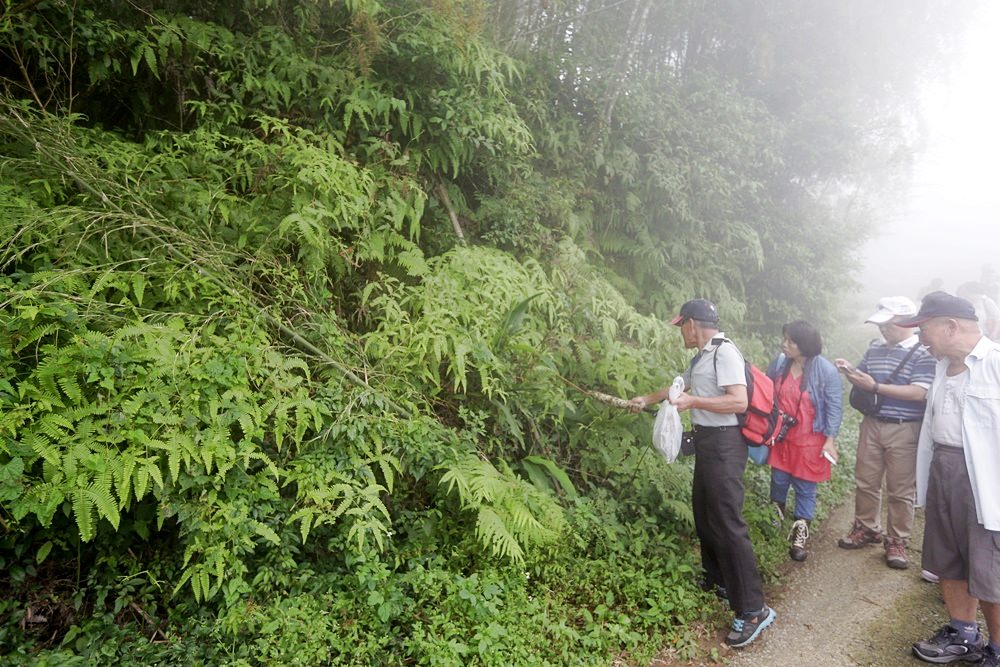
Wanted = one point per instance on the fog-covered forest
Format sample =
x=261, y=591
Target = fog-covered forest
x=303, y=299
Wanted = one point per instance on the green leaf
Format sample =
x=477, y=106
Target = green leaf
x=557, y=473
x=267, y=533
x=138, y=288
x=43, y=552
x=83, y=506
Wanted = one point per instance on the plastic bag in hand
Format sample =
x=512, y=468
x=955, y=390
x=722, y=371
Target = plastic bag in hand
x=667, y=429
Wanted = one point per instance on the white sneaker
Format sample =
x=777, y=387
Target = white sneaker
x=927, y=575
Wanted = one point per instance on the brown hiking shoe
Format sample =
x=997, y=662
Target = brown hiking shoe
x=895, y=553
x=859, y=537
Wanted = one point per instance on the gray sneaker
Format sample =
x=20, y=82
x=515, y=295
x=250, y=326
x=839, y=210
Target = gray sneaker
x=747, y=627
x=948, y=646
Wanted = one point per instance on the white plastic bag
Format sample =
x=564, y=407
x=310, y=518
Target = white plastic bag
x=667, y=429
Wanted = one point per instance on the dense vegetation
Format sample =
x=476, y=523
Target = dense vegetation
x=302, y=300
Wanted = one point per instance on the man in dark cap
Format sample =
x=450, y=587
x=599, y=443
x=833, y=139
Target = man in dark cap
x=958, y=478
x=716, y=394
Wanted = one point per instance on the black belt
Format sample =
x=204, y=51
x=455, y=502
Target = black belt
x=951, y=448
x=698, y=428
x=897, y=420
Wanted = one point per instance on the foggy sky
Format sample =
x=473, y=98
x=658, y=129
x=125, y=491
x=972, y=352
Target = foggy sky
x=949, y=226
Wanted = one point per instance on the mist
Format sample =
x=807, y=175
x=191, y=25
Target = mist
x=947, y=227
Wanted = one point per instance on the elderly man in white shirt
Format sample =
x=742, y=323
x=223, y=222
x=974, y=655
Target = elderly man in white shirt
x=958, y=479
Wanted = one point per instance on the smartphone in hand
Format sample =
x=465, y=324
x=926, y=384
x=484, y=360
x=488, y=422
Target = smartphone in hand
x=843, y=365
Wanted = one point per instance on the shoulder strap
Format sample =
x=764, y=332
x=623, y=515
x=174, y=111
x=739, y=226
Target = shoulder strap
x=715, y=353
x=909, y=354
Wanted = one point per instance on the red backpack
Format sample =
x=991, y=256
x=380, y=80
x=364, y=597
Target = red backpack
x=760, y=423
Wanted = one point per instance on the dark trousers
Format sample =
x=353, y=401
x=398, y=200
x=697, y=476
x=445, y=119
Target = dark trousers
x=717, y=498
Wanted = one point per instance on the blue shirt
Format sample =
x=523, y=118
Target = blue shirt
x=881, y=359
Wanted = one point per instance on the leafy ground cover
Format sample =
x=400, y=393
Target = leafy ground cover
x=301, y=302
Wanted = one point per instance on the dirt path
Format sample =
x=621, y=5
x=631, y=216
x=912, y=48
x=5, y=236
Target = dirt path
x=841, y=608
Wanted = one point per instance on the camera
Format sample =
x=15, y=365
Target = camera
x=687, y=443
x=787, y=422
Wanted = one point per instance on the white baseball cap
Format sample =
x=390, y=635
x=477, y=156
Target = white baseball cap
x=892, y=306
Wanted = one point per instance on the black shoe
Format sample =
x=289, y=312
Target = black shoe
x=718, y=589
x=779, y=515
x=990, y=658
x=947, y=646
x=798, y=536
x=747, y=627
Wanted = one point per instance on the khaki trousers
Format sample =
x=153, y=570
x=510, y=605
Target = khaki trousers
x=886, y=451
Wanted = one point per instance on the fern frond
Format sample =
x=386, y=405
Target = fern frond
x=680, y=510
x=152, y=466
x=34, y=335
x=83, y=510
x=71, y=388
x=105, y=503
x=520, y=516
x=123, y=480
x=140, y=482
x=305, y=516
x=55, y=426
x=41, y=446
x=492, y=531
x=266, y=532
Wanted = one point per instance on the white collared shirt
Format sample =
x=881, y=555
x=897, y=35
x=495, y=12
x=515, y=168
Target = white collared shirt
x=980, y=402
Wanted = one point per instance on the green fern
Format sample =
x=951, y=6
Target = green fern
x=509, y=510
x=492, y=531
x=83, y=512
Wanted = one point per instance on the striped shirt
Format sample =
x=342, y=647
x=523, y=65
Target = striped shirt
x=881, y=359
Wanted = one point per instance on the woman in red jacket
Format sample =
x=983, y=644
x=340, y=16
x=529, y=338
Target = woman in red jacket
x=809, y=395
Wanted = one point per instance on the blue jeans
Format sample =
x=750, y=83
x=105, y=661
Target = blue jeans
x=805, y=493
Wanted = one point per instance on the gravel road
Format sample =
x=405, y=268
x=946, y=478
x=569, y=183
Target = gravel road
x=841, y=607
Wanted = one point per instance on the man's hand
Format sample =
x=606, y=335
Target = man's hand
x=684, y=401
x=861, y=380
x=636, y=405
x=843, y=365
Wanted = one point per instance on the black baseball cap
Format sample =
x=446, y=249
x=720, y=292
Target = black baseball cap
x=941, y=304
x=702, y=310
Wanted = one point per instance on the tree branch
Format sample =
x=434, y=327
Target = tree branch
x=446, y=200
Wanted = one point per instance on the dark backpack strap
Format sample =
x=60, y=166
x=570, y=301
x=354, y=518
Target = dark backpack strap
x=748, y=376
x=909, y=354
x=715, y=354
